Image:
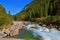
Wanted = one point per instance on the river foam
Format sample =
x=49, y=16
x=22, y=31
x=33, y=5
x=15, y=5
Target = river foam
x=43, y=32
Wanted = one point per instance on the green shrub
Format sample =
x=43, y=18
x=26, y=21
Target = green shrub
x=53, y=20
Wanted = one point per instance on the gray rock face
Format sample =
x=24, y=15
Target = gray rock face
x=14, y=30
x=16, y=26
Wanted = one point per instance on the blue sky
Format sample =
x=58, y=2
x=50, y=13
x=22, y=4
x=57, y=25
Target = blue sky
x=14, y=6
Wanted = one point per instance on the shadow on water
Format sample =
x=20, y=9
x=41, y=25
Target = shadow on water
x=25, y=34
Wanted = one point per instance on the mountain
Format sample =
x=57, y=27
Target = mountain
x=37, y=9
x=4, y=17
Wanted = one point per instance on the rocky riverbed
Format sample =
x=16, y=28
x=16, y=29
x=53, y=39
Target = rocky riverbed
x=10, y=39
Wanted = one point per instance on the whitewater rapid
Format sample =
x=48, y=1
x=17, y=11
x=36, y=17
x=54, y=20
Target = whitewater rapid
x=43, y=32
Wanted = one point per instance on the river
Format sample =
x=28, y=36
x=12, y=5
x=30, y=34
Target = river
x=43, y=32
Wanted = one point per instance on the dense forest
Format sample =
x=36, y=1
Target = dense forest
x=40, y=10
x=47, y=11
x=37, y=9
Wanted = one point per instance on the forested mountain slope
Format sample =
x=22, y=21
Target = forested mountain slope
x=4, y=17
x=37, y=9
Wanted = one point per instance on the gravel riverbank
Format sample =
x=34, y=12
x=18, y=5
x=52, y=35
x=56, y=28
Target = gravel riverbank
x=10, y=39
